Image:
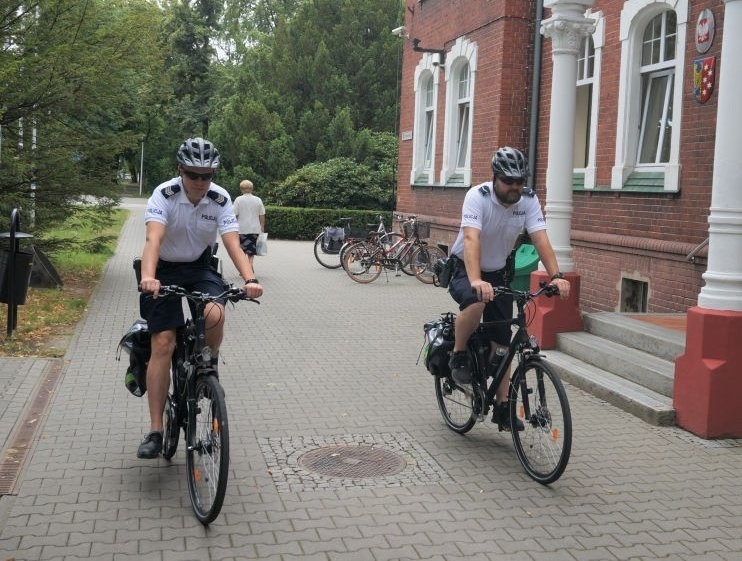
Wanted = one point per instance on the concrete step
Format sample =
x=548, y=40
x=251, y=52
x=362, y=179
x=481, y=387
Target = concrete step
x=650, y=406
x=634, y=365
x=620, y=328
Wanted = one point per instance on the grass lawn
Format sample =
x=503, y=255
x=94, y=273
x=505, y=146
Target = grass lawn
x=48, y=318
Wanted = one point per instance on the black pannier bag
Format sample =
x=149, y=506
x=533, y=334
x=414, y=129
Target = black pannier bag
x=136, y=343
x=334, y=239
x=443, y=271
x=439, y=338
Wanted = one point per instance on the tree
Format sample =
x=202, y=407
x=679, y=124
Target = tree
x=189, y=32
x=71, y=79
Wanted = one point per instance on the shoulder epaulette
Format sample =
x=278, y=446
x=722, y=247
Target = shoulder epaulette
x=170, y=190
x=218, y=198
x=484, y=190
x=528, y=192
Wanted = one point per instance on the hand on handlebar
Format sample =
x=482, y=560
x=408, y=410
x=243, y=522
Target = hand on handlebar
x=483, y=290
x=150, y=285
x=562, y=286
x=253, y=290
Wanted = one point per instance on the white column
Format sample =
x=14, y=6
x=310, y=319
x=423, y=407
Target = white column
x=723, y=276
x=566, y=27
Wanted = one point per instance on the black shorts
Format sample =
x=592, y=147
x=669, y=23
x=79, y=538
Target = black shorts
x=167, y=313
x=500, y=309
x=248, y=243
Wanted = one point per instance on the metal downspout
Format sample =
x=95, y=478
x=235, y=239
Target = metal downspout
x=535, y=88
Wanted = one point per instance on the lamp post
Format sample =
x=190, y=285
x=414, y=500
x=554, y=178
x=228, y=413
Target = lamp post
x=141, y=170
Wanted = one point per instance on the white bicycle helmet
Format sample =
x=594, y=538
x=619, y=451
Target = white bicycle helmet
x=198, y=153
x=509, y=162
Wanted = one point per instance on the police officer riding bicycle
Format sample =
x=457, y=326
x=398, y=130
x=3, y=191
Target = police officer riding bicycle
x=494, y=215
x=182, y=220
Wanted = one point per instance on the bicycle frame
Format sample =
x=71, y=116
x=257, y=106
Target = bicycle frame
x=522, y=345
x=189, y=362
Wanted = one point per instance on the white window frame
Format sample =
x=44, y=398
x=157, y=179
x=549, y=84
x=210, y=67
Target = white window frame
x=426, y=70
x=598, y=38
x=635, y=16
x=463, y=53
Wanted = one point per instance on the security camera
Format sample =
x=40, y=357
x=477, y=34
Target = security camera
x=399, y=31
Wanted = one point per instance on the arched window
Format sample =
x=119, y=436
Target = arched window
x=461, y=65
x=657, y=77
x=424, y=137
x=583, y=115
x=464, y=116
x=649, y=101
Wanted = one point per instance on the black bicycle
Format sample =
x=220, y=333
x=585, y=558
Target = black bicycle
x=197, y=404
x=537, y=398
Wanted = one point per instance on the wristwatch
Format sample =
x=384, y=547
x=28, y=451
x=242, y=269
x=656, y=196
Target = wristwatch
x=251, y=281
x=558, y=275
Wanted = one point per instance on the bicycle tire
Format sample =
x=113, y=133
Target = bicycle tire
x=539, y=400
x=207, y=454
x=329, y=259
x=362, y=262
x=422, y=261
x=456, y=404
x=170, y=429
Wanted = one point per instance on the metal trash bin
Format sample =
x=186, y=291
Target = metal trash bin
x=22, y=266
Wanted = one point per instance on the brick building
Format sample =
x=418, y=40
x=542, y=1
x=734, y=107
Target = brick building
x=639, y=211
x=628, y=113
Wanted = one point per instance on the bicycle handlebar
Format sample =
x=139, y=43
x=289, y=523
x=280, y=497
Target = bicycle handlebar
x=231, y=294
x=547, y=289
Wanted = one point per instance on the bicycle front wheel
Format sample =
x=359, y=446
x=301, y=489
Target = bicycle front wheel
x=362, y=262
x=456, y=403
x=207, y=454
x=539, y=400
x=326, y=257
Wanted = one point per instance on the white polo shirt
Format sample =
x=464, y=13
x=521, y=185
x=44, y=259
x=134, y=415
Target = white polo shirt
x=189, y=228
x=248, y=209
x=499, y=226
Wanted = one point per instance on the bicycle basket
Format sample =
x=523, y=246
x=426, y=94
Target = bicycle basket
x=422, y=229
x=439, y=337
x=136, y=343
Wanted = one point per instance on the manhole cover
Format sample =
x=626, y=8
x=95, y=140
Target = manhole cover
x=354, y=462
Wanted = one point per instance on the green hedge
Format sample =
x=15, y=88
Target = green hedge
x=289, y=223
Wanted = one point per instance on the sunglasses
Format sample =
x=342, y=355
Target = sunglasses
x=193, y=176
x=512, y=180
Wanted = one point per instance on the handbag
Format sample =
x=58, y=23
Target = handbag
x=261, y=246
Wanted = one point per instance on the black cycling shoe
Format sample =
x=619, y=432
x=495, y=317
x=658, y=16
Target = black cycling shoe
x=501, y=416
x=460, y=369
x=151, y=446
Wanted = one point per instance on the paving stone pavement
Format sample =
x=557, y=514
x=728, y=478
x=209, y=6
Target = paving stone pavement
x=325, y=362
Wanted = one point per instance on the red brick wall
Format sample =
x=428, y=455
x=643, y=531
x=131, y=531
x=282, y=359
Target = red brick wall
x=503, y=32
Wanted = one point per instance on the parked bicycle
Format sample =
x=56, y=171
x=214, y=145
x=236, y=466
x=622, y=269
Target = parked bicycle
x=375, y=233
x=196, y=403
x=536, y=395
x=328, y=242
x=409, y=253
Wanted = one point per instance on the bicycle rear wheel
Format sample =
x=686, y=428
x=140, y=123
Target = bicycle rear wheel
x=325, y=257
x=539, y=400
x=207, y=455
x=422, y=261
x=171, y=428
x=362, y=262
x=456, y=403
